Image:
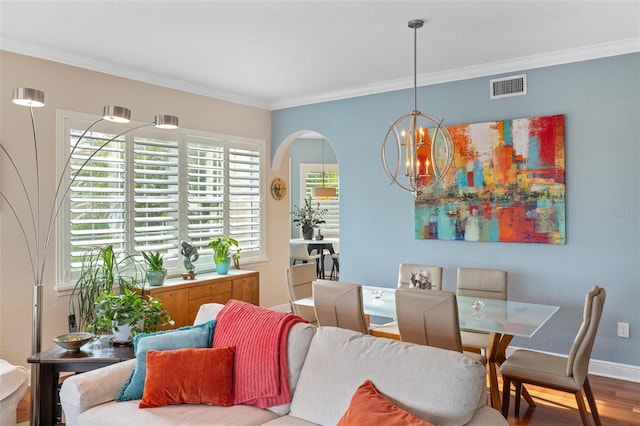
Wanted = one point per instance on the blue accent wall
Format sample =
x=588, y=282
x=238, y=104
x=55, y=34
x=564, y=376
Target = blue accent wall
x=601, y=102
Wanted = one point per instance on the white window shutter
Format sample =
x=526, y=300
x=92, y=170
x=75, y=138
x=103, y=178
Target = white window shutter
x=97, y=195
x=155, y=195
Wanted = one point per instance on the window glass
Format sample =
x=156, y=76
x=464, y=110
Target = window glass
x=312, y=178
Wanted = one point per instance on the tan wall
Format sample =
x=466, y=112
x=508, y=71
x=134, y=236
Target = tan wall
x=77, y=89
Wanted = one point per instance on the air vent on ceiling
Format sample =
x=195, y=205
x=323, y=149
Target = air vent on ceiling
x=514, y=85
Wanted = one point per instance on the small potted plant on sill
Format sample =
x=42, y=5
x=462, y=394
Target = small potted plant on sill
x=222, y=253
x=236, y=258
x=156, y=272
x=308, y=217
x=127, y=314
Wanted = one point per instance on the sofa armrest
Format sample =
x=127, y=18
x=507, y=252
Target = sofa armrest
x=83, y=391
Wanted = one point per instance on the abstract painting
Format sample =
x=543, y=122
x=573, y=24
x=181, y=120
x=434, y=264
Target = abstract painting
x=507, y=184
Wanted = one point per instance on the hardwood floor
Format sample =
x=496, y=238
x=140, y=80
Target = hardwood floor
x=618, y=403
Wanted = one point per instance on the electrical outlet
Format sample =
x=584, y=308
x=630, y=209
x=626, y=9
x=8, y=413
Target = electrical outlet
x=623, y=329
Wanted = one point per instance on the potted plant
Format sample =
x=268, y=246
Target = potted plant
x=102, y=270
x=127, y=314
x=156, y=272
x=222, y=253
x=307, y=218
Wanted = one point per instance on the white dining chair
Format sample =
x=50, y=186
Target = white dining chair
x=339, y=304
x=566, y=374
x=335, y=267
x=481, y=284
x=299, y=252
x=390, y=330
x=406, y=269
x=430, y=318
x=299, y=279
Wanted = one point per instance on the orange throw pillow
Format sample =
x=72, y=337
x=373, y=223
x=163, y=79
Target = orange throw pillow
x=369, y=407
x=193, y=375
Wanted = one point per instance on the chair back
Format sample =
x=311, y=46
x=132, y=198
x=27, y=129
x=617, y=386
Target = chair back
x=336, y=248
x=482, y=283
x=428, y=318
x=300, y=252
x=339, y=304
x=299, y=279
x=406, y=269
x=580, y=353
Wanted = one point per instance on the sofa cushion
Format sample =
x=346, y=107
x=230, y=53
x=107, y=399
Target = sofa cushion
x=368, y=406
x=127, y=413
x=436, y=385
x=196, y=336
x=202, y=375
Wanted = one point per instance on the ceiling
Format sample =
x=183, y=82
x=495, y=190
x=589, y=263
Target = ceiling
x=277, y=54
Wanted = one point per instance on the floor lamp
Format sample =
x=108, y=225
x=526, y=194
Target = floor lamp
x=29, y=223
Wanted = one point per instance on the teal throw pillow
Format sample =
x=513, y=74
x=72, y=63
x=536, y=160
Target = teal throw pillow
x=196, y=336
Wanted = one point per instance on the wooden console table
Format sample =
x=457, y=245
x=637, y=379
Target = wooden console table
x=182, y=298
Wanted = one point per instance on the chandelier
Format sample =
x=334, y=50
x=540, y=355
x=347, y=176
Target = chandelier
x=423, y=140
x=38, y=240
x=323, y=192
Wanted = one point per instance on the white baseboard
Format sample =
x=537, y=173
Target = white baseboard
x=613, y=370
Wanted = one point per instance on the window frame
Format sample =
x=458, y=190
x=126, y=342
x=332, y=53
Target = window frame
x=306, y=191
x=68, y=120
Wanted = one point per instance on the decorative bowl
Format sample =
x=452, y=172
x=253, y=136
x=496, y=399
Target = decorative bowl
x=377, y=294
x=73, y=341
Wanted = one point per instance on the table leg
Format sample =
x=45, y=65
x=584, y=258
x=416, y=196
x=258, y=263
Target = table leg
x=48, y=394
x=493, y=354
x=496, y=355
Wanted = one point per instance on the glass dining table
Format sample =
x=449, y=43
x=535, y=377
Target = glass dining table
x=319, y=246
x=501, y=319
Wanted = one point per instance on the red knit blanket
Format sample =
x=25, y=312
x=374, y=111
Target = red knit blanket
x=261, y=377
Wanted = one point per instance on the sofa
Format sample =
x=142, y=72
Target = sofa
x=326, y=366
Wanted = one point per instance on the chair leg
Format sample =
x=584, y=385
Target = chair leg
x=592, y=402
x=506, y=392
x=518, y=386
x=335, y=270
x=584, y=415
x=527, y=397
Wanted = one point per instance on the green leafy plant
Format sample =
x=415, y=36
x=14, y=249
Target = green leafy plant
x=222, y=249
x=308, y=217
x=114, y=309
x=102, y=270
x=154, y=260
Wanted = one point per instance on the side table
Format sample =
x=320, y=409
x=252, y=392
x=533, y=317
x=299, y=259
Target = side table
x=53, y=361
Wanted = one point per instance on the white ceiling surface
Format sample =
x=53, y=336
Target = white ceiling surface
x=276, y=54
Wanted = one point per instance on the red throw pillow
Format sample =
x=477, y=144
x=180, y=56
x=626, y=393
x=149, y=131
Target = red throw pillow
x=370, y=407
x=193, y=375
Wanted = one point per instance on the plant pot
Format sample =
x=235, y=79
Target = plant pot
x=122, y=333
x=156, y=278
x=307, y=233
x=222, y=268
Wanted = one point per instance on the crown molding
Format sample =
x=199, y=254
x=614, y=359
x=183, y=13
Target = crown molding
x=20, y=47
x=493, y=68
x=603, y=50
